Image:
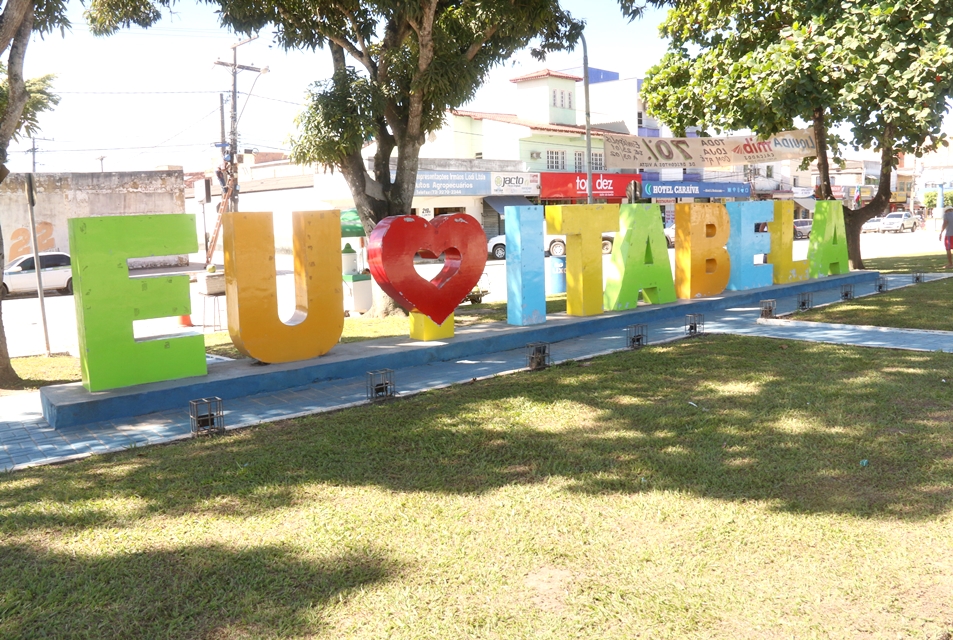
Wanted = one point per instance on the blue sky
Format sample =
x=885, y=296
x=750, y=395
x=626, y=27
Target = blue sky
x=144, y=98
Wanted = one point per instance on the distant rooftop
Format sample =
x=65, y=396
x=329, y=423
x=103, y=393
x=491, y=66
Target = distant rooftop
x=547, y=73
x=597, y=130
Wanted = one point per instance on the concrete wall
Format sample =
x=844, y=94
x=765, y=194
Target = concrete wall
x=62, y=196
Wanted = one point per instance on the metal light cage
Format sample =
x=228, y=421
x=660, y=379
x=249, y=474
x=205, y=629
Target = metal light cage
x=769, y=308
x=881, y=284
x=694, y=324
x=381, y=385
x=847, y=292
x=636, y=336
x=537, y=355
x=917, y=277
x=206, y=416
x=805, y=301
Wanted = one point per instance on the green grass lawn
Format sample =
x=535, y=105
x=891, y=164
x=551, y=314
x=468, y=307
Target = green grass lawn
x=923, y=306
x=712, y=487
x=930, y=263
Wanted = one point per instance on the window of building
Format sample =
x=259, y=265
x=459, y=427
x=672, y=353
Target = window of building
x=579, y=162
x=569, y=99
x=794, y=182
x=556, y=160
x=769, y=171
x=562, y=99
x=640, y=118
x=598, y=162
x=478, y=155
x=554, y=97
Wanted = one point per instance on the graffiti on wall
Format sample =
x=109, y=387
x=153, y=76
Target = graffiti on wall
x=20, y=241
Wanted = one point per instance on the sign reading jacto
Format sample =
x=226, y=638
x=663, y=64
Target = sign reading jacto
x=573, y=185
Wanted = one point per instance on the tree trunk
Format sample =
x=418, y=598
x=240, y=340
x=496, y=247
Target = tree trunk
x=823, y=164
x=854, y=219
x=9, y=121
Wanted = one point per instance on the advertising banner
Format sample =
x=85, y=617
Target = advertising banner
x=696, y=190
x=514, y=184
x=635, y=152
x=573, y=185
x=452, y=183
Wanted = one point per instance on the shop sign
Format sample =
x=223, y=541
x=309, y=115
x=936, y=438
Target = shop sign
x=452, y=183
x=514, y=184
x=573, y=185
x=696, y=189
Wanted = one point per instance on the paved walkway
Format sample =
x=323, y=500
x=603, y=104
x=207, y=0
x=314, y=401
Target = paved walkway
x=26, y=439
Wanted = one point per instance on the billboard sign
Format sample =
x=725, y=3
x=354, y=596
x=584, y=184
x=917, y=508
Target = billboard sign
x=555, y=186
x=696, y=190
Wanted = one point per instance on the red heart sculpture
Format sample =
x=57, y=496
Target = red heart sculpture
x=396, y=240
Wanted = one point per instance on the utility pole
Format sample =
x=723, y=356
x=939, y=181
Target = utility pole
x=233, y=142
x=33, y=149
x=221, y=112
x=585, y=87
x=101, y=168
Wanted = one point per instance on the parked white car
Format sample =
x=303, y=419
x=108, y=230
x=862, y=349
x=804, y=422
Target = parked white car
x=555, y=245
x=872, y=225
x=898, y=221
x=19, y=276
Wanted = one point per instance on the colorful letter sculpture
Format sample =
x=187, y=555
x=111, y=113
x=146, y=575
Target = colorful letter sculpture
x=744, y=243
x=583, y=226
x=424, y=329
x=251, y=286
x=395, y=241
x=827, y=251
x=108, y=301
x=639, y=260
x=786, y=269
x=702, y=265
x=525, y=266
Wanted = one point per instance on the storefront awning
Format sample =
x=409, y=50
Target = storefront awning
x=499, y=203
x=351, y=226
x=807, y=203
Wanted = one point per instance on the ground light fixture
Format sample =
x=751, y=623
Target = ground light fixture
x=207, y=416
x=769, y=308
x=636, y=336
x=381, y=385
x=694, y=324
x=847, y=292
x=537, y=356
x=805, y=301
x=881, y=284
x=917, y=277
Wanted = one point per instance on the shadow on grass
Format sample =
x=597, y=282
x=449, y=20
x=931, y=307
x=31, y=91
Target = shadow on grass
x=199, y=591
x=907, y=264
x=927, y=306
x=721, y=417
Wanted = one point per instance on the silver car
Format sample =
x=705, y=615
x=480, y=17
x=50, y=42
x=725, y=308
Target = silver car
x=898, y=221
x=19, y=276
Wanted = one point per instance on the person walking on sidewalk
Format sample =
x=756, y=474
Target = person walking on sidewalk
x=948, y=241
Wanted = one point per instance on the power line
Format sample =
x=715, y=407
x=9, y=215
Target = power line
x=130, y=93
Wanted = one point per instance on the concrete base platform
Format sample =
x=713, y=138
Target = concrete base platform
x=69, y=405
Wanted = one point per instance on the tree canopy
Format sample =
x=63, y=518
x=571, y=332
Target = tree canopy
x=882, y=70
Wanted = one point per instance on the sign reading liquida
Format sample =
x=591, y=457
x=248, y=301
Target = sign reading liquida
x=714, y=246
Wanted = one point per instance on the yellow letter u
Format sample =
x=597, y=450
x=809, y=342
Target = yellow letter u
x=252, y=290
